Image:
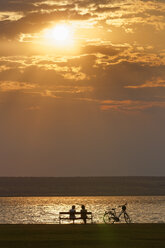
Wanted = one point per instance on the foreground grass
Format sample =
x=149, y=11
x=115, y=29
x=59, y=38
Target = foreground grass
x=102, y=236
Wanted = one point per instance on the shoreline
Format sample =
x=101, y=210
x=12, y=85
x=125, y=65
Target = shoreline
x=80, y=196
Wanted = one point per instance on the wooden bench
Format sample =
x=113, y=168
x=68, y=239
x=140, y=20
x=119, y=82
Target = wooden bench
x=66, y=216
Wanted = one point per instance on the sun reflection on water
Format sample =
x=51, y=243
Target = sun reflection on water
x=46, y=209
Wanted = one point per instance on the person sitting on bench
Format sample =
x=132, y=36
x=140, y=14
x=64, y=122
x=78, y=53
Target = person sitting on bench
x=83, y=213
x=72, y=212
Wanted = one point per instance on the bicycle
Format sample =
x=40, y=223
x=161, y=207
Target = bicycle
x=110, y=217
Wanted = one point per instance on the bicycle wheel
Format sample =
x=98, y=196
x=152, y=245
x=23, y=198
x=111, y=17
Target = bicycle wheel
x=108, y=219
x=127, y=218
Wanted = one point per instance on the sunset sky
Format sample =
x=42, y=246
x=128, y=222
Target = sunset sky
x=82, y=87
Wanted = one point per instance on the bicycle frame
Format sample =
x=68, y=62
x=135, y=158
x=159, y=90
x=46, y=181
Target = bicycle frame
x=115, y=214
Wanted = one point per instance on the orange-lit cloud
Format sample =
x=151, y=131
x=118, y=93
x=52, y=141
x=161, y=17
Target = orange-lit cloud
x=15, y=86
x=155, y=83
x=130, y=106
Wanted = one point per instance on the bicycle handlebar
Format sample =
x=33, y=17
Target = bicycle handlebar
x=122, y=205
x=119, y=206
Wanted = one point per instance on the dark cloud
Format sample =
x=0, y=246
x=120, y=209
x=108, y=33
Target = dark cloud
x=110, y=83
x=35, y=22
x=20, y=5
x=121, y=81
x=108, y=50
x=107, y=9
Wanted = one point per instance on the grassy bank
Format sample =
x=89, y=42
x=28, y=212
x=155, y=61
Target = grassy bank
x=102, y=236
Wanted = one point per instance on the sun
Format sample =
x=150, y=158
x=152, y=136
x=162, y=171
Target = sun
x=61, y=34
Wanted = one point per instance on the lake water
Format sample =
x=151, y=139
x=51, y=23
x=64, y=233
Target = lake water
x=37, y=210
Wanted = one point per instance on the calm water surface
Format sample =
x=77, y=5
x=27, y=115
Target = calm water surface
x=36, y=210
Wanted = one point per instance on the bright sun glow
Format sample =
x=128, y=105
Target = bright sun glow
x=59, y=35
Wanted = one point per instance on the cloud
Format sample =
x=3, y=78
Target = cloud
x=10, y=16
x=109, y=50
x=130, y=106
x=126, y=64
x=155, y=83
x=33, y=108
x=15, y=86
x=76, y=92
x=77, y=77
x=102, y=78
x=132, y=13
x=107, y=9
x=35, y=22
x=48, y=93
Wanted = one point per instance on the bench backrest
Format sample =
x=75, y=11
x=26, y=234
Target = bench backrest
x=75, y=213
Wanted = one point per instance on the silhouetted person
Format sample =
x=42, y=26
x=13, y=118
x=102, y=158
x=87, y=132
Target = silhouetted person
x=72, y=212
x=83, y=214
